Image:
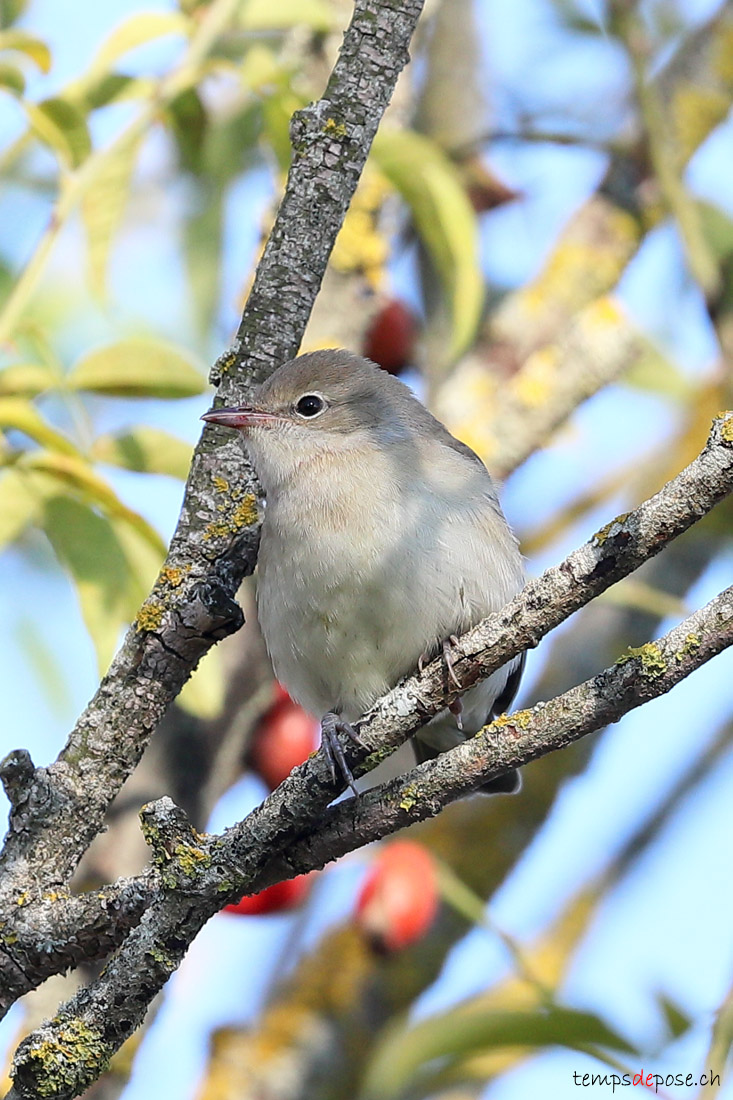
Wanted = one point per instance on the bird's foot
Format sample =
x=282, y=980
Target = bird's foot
x=448, y=658
x=331, y=726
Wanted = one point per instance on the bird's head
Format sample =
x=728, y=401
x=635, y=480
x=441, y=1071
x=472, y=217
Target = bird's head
x=326, y=403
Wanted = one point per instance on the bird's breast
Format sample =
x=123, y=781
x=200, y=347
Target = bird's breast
x=354, y=588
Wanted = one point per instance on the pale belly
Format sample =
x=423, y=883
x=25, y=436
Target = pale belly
x=341, y=632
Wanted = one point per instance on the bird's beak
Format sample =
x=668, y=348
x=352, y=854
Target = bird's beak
x=241, y=417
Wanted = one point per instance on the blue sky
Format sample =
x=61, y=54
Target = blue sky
x=665, y=927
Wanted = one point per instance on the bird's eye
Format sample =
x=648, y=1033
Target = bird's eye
x=310, y=404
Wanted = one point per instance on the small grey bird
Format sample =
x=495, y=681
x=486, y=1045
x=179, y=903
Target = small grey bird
x=382, y=539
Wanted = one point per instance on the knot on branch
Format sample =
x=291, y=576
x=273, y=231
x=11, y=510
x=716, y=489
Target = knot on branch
x=17, y=773
x=178, y=850
x=212, y=613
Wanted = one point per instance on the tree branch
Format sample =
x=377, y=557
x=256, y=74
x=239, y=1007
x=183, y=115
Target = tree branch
x=516, y=739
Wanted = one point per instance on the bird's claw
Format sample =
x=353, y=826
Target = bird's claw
x=331, y=726
x=456, y=709
x=448, y=658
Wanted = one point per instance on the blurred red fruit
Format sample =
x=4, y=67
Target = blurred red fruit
x=279, y=694
x=274, y=899
x=286, y=736
x=390, y=339
x=399, y=898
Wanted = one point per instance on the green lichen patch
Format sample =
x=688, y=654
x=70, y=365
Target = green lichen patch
x=150, y=616
x=166, y=960
x=220, y=484
x=64, y=1064
x=243, y=515
x=334, y=128
x=173, y=575
x=726, y=428
x=409, y=799
x=690, y=646
x=521, y=719
x=650, y=657
x=190, y=858
x=600, y=536
x=376, y=757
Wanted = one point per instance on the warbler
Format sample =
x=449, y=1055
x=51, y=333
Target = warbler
x=382, y=540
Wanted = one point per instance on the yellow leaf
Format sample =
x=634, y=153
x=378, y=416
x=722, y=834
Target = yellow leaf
x=444, y=219
x=147, y=450
x=137, y=368
x=103, y=206
x=80, y=479
x=28, y=44
x=62, y=126
x=26, y=379
x=88, y=548
x=137, y=31
x=20, y=504
x=21, y=415
x=203, y=694
x=12, y=78
x=260, y=15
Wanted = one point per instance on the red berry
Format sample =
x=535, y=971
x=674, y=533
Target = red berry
x=286, y=736
x=280, y=695
x=390, y=339
x=279, y=897
x=399, y=899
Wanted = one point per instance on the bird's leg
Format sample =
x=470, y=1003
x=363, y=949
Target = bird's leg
x=332, y=725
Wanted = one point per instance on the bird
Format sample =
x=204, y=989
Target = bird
x=382, y=540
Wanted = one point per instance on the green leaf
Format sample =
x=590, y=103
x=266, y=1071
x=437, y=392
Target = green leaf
x=75, y=477
x=259, y=15
x=188, y=122
x=62, y=126
x=110, y=88
x=11, y=10
x=444, y=219
x=654, y=373
x=277, y=111
x=143, y=561
x=103, y=206
x=717, y=227
x=147, y=450
x=401, y=1060
x=12, y=78
x=137, y=368
x=21, y=504
x=28, y=44
x=45, y=663
x=87, y=546
x=18, y=414
x=677, y=1021
x=26, y=379
x=137, y=31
